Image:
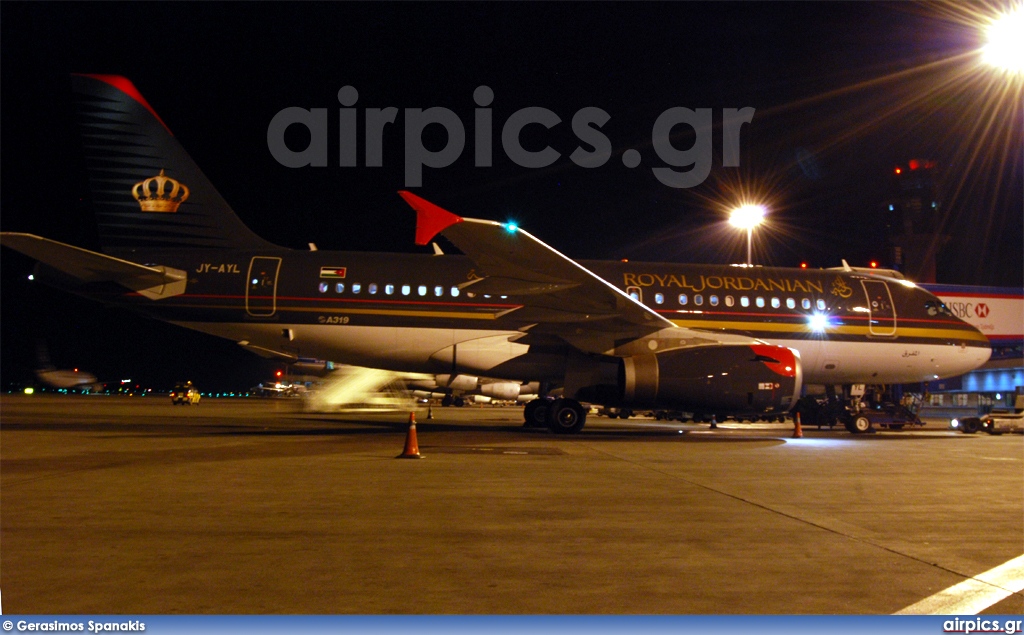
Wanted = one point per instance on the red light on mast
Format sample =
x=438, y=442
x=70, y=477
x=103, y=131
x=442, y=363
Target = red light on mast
x=914, y=164
x=899, y=170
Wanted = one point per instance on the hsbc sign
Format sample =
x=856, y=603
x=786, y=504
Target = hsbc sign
x=1000, y=316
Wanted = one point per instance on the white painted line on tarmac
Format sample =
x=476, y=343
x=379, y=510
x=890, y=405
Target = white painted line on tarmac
x=974, y=594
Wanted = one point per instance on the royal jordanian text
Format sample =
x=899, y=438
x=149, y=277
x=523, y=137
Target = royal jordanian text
x=89, y=627
x=701, y=282
x=587, y=123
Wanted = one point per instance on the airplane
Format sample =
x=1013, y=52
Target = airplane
x=63, y=378
x=700, y=338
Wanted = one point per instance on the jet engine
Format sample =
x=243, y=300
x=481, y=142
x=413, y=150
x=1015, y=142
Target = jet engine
x=504, y=390
x=732, y=378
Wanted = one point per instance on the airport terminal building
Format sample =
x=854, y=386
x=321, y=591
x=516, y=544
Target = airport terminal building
x=999, y=313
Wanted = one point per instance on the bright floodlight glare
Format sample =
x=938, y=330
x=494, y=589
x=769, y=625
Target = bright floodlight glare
x=818, y=322
x=747, y=217
x=1004, y=48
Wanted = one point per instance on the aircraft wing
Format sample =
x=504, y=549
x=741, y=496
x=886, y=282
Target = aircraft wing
x=561, y=296
x=154, y=282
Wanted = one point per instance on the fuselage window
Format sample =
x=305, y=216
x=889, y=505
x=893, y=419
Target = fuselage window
x=729, y=300
x=389, y=289
x=744, y=301
x=635, y=295
x=439, y=291
x=323, y=287
x=455, y=292
x=372, y=288
x=683, y=299
x=759, y=302
x=775, y=303
x=698, y=299
x=790, y=303
x=821, y=304
x=713, y=300
x=356, y=287
x=406, y=289
x=659, y=298
x=806, y=303
x=422, y=289
x=339, y=288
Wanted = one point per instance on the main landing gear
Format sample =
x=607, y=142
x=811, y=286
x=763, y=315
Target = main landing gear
x=561, y=416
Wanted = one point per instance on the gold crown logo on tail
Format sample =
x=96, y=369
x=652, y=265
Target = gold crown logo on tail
x=160, y=194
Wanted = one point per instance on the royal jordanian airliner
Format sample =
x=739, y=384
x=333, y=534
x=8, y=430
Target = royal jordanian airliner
x=709, y=339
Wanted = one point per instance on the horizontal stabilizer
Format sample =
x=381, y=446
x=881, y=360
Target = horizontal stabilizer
x=153, y=282
x=267, y=353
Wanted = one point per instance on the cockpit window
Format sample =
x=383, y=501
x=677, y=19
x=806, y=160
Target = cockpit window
x=935, y=307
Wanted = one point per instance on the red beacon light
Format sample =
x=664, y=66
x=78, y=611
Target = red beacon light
x=803, y=265
x=899, y=170
x=874, y=264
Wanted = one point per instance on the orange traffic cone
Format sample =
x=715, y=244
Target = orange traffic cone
x=412, y=447
x=798, y=432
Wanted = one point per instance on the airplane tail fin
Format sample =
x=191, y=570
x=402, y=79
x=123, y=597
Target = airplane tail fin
x=43, y=357
x=147, y=192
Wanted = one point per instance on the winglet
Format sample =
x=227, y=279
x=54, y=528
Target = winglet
x=431, y=220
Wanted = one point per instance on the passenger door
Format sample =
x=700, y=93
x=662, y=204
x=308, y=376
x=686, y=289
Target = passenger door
x=881, y=311
x=261, y=286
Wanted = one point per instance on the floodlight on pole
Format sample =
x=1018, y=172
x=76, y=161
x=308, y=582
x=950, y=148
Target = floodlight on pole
x=748, y=217
x=1003, y=48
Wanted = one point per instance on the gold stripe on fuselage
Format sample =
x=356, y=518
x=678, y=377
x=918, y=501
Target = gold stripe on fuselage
x=778, y=327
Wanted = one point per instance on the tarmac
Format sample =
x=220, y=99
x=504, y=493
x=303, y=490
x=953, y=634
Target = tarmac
x=118, y=505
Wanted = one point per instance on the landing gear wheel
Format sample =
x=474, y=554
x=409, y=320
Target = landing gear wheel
x=566, y=416
x=860, y=425
x=970, y=425
x=446, y=401
x=535, y=413
x=458, y=402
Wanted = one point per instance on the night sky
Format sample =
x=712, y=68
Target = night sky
x=843, y=92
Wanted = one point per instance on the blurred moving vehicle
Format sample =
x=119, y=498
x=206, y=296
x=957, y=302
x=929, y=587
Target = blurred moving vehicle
x=996, y=422
x=185, y=393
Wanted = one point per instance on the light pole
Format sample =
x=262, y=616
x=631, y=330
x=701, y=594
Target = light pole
x=748, y=217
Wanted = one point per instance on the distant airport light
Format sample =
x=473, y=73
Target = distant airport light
x=1003, y=48
x=899, y=170
x=748, y=217
x=31, y=277
x=29, y=390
